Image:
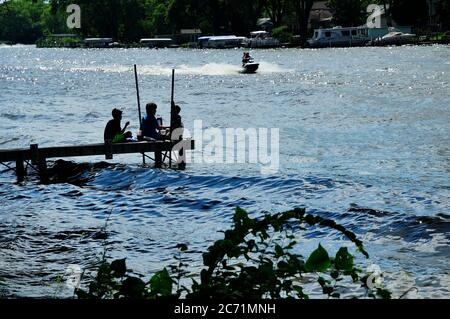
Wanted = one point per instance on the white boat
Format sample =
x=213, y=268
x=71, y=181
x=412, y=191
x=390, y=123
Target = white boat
x=395, y=37
x=98, y=42
x=157, y=42
x=221, y=41
x=339, y=37
x=261, y=39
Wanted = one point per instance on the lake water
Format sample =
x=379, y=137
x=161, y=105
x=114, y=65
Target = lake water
x=364, y=139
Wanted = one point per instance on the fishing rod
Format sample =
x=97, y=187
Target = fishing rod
x=172, y=103
x=139, y=106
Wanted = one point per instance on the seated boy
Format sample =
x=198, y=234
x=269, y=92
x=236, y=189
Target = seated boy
x=113, y=132
x=150, y=128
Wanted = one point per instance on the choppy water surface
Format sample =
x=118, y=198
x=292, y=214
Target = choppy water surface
x=364, y=140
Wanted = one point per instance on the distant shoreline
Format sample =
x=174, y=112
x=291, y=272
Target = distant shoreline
x=117, y=45
x=283, y=46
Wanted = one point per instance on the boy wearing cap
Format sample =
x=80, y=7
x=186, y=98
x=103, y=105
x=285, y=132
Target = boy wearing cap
x=113, y=131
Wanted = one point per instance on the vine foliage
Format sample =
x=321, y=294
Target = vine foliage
x=257, y=258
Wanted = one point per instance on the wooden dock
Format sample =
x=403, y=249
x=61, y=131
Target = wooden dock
x=38, y=156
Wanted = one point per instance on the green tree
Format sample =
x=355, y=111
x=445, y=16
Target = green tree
x=410, y=12
x=220, y=16
x=20, y=20
x=348, y=13
x=184, y=13
x=303, y=11
x=407, y=12
x=156, y=18
x=54, y=19
x=443, y=12
x=129, y=20
x=244, y=19
x=275, y=9
x=120, y=19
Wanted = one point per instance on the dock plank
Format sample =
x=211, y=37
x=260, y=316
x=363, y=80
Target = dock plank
x=92, y=150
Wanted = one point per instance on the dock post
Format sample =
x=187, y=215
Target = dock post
x=20, y=169
x=158, y=158
x=182, y=156
x=34, y=148
x=42, y=166
x=108, y=150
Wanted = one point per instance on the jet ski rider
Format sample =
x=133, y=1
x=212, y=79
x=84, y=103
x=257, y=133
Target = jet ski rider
x=246, y=58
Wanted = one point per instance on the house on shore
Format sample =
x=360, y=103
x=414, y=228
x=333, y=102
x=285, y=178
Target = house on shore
x=321, y=15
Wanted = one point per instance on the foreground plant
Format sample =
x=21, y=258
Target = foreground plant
x=257, y=258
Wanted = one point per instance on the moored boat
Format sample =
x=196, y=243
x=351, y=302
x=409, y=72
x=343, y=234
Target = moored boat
x=157, y=42
x=261, y=39
x=339, y=37
x=395, y=37
x=221, y=42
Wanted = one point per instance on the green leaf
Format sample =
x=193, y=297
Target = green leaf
x=322, y=281
x=252, y=244
x=300, y=293
x=291, y=245
x=334, y=275
x=119, y=268
x=318, y=261
x=383, y=293
x=81, y=294
x=240, y=214
x=327, y=290
x=132, y=287
x=278, y=251
x=343, y=260
x=161, y=283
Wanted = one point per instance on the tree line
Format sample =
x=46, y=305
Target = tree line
x=25, y=21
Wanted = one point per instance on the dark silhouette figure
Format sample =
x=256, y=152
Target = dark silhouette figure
x=113, y=131
x=150, y=127
x=246, y=58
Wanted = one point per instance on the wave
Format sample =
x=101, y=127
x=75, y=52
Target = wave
x=193, y=193
x=9, y=140
x=267, y=67
x=152, y=210
x=13, y=117
x=212, y=69
x=410, y=228
x=237, y=190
